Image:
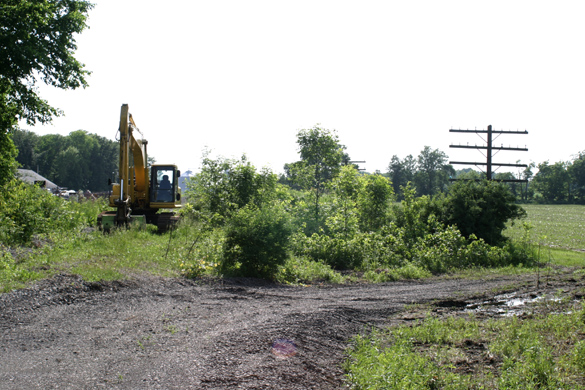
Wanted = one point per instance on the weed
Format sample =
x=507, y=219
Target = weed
x=172, y=329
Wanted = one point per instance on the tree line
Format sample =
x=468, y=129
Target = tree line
x=78, y=161
x=561, y=182
x=86, y=161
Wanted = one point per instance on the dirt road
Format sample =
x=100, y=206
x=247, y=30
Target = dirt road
x=179, y=334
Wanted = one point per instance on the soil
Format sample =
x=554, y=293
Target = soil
x=155, y=333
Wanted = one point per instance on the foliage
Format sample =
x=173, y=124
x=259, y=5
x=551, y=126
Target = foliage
x=374, y=202
x=300, y=270
x=447, y=250
x=27, y=211
x=480, y=208
x=7, y=159
x=553, y=182
x=429, y=172
x=432, y=175
x=401, y=172
x=414, y=216
x=37, y=41
x=321, y=159
x=256, y=241
x=407, y=271
x=416, y=239
x=320, y=149
x=338, y=252
x=343, y=217
x=202, y=251
x=225, y=185
x=577, y=174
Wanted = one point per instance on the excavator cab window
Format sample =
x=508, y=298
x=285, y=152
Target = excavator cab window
x=163, y=181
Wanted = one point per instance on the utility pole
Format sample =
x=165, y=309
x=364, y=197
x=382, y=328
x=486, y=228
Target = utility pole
x=356, y=164
x=489, y=151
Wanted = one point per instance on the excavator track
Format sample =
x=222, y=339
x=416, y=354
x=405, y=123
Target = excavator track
x=166, y=221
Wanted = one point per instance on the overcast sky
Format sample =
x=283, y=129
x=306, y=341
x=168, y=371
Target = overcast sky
x=391, y=77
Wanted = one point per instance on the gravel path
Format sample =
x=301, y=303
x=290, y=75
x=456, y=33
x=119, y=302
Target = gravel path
x=156, y=333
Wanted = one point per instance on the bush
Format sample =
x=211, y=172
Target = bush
x=302, y=270
x=336, y=251
x=448, y=249
x=256, y=241
x=27, y=211
x=481, y=209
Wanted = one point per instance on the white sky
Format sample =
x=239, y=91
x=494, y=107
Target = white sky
x=390, y=76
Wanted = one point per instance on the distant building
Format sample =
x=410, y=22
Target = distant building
x=184, y=176
x=31, y=177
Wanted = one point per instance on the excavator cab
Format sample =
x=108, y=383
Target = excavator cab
x=164, y=186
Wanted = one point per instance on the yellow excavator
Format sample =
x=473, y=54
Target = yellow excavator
x=142, y=192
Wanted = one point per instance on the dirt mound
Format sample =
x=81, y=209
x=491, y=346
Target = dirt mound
x=239, y=333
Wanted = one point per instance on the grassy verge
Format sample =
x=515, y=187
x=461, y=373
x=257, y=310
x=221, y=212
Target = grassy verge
x=544, y=350
x=92, y=255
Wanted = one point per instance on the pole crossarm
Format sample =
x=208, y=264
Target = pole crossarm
x=500, y=180
x=482, y=163
x=486, y=147
x=487, y=131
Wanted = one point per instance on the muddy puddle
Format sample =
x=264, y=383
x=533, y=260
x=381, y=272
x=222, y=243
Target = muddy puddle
x=508, y=305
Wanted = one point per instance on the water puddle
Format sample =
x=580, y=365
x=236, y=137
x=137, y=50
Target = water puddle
x=505, y=305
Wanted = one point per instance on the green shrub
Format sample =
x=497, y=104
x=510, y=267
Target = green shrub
x=27, y=211
x=407, y=271
x=337, y=252
x=256, y=241
x=481, y=209
x=447, y=250
x=302, y=270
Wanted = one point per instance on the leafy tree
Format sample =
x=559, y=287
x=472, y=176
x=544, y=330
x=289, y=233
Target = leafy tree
x=320, y=149
x=413, y=216
x=401, y=173
x=226, y=185
x=552, y=181
x=297, y=175
x=37, y=42
x=321, y=159
x=345, y=188
x=48, y=148
x=526, y=174
x=577, y=174
x=469, y=174
x=480, y=208
x=515, y=188
x=374, y=202
x=68, y=168
x=26, y=143
x=433, y=172
x=7, y=159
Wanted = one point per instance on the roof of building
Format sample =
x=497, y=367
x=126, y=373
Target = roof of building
x=30, y=176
